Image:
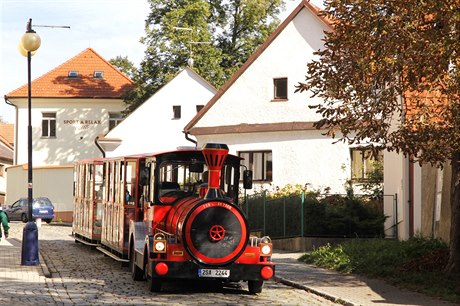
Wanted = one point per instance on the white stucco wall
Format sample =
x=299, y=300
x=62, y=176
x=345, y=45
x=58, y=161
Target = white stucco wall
x=78, y=122
x=151, y=127
x=302, y=157
x=249, y=99
x=59, y=190
x=299, y=157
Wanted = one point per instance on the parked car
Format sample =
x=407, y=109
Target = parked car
x=41, y=208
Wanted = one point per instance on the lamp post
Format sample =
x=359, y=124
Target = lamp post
x=30, y=42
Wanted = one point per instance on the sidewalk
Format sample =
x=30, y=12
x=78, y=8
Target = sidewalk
x=345, y=289
x=20, y=285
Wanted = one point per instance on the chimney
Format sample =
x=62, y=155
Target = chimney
x=214, y=155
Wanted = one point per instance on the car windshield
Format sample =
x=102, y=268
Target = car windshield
x=42, y=203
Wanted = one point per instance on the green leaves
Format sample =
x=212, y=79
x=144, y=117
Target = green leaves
x=218, y=35
x=378, y=52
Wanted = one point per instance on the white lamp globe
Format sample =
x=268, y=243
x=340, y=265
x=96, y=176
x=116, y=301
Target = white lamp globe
x=30, y=41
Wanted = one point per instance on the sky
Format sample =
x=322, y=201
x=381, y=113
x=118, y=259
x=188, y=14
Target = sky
x=110, y=27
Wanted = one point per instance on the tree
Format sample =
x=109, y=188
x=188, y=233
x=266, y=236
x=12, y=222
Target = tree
x=127, y=67
x=389, y=74
x=218, y=35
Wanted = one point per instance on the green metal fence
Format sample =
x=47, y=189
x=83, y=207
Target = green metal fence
x=295, y=216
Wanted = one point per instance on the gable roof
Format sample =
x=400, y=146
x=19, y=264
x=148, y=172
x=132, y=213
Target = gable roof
x=303, y=4
x=7, y=133
x=58, y=84
x=6, y=150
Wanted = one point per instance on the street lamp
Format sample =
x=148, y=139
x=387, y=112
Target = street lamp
x=30, y=42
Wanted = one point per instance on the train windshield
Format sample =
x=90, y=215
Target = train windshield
x=182, y=179
x=177, y=180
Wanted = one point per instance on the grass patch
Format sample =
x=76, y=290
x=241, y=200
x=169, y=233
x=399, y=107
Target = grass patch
x=416, y=264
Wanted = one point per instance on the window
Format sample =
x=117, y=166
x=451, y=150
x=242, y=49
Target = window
x=176, y=112
x=199, y=107
x=260, y=162
x=73, y=74
x=114, y=120
x=98, y=75
x=280, y=88
x=2, y=170
x=363, y=163
x=49, y=125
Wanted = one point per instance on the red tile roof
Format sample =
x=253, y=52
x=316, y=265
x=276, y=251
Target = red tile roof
x=7, y=133
x=57, y=84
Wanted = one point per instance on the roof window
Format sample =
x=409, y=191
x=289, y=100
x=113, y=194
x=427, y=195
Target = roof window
x=73, y=74
x=98, y=74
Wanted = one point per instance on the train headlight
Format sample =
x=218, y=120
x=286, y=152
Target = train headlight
x=265, y=246
x=159, y=243
x=266, y=249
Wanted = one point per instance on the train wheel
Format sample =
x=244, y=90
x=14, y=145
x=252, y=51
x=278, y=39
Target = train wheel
x=155, y=285
x=255, y=286
x=136, y=273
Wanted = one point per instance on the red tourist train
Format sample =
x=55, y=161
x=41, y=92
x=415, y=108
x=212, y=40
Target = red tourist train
x=171, y=215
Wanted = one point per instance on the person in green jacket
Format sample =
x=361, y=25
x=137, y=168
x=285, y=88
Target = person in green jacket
x=4, y=223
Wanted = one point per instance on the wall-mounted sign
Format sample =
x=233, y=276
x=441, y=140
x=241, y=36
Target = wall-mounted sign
x=82, y=124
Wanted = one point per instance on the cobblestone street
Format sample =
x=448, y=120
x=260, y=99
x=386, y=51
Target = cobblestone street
x=84, y=276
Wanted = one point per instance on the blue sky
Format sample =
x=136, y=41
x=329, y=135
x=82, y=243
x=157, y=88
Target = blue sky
x=110, y=27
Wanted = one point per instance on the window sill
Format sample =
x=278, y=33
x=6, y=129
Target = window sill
x=48, y=137
x=279, y=100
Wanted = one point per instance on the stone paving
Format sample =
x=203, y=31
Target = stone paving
x=84, y=276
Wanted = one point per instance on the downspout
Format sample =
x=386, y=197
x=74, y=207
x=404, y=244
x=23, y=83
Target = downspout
x=411, y=198
x=96, y=142
x=190, y=139
x=15, y=159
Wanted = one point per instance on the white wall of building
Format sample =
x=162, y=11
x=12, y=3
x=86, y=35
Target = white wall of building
x=61, y=193
x=301, y=157
x=78, y=122
x=249, y=99
x=151, y=127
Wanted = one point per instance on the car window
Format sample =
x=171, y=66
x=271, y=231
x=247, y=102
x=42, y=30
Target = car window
x=42, y=203
x=16, y=204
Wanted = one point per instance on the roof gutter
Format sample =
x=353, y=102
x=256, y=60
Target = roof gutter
x=15, y=150
x=190, y=139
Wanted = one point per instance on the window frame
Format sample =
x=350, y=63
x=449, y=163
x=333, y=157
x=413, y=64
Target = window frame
x=265, y=175
x=177, y=112
x=366, y=159
x=50, y=118
x=116, y=118
x=280, y=84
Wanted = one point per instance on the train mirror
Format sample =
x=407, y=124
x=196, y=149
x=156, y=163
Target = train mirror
x=196, y=167
x=247, y=179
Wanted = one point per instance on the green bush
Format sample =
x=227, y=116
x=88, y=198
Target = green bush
x=417, y=264
x=331, y=216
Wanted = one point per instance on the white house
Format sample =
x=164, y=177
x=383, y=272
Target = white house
x=157, y=124
x=71, y=105
x=260, y=117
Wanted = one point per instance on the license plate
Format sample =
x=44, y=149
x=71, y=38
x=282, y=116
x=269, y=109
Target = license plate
x=213, y=273
x=43, y=211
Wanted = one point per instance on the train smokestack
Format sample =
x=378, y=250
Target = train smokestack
x=214, y=155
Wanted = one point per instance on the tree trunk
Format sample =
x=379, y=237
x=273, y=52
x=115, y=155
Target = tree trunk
x=453, y=264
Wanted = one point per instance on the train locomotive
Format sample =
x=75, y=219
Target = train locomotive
x=172, y=215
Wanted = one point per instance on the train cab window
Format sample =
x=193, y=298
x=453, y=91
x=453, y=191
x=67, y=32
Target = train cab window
x=130, y=177
x=176, y=181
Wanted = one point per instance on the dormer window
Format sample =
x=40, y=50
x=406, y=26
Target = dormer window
x=98, y=74
x=73, y=74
